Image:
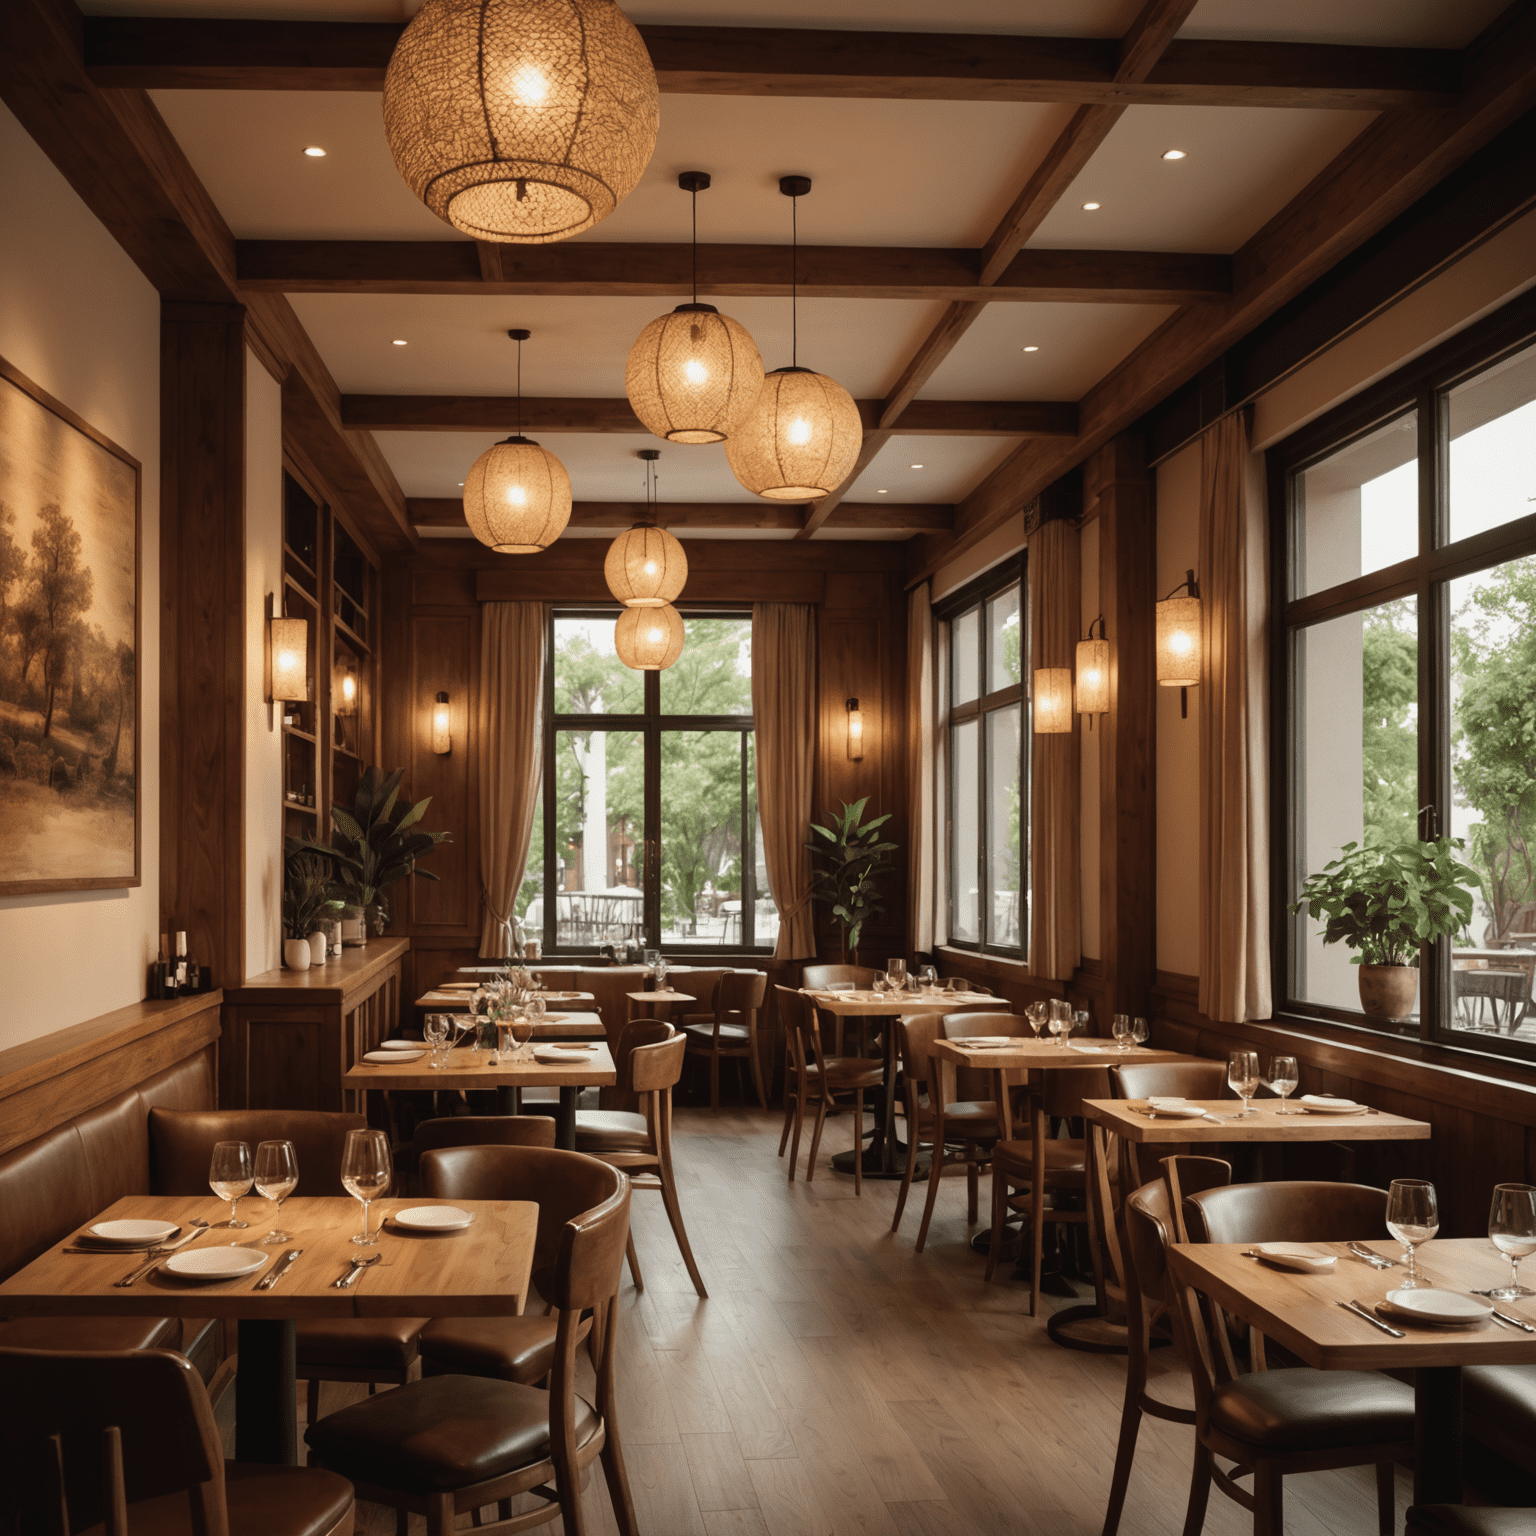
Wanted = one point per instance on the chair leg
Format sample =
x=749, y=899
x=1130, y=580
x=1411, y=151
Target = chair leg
x=714, y=1080
x=440, y=1516
x=757, y=1075
x=675, y=1212
x=935, y=1173
x=790, y=1096
x=1199, y=1491
x=1386, y=1498
x=972, y=1183
x=618, y=1483
x=1125, y=1452
x=634, y=1261
x=794, y=1146
x=312, y=1400
x=402, y=1522
x=821, y=1120
x=999, y=1224
x=858, y=1141
x=1268, y=1500
x=906, y=1177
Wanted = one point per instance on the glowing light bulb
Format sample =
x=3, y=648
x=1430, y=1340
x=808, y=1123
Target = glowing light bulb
x=650, y=567
x=657, y=635
x=529, y=85
x=286, y=660
x=517, y=496
x=315, y=152
x=798, y=431
x=1179, y=644
x=695, y=371
x=349, y=688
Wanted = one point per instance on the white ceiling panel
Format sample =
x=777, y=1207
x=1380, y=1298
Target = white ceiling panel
x=919, y=469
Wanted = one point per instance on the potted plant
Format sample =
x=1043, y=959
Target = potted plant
x=1384, y=900
x=374, y=844
x=307, y=903
x=845, y=864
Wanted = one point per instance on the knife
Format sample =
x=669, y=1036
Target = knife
x=1371, y=1318
x=277, y=1271
x=1514, y=1322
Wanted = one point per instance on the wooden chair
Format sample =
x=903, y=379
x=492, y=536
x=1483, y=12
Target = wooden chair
x=447, y=1445
x=816, y=1077
x=833, y=978
x=1145, y=1080
x=650, y=1061
x=733, y=1030
x=473, y=1131
x=128, y=1439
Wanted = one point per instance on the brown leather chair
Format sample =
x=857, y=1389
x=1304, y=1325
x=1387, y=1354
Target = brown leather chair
x=732, y=1032
x=821, y=978
x=648, y=1064
x=370, y=1349
x=136, y=1436
x=1293, y=1211
x=1182, y=1079
x=451, y=1444
x=474, y=1131
x=1463, y=1520
x=1499, y=1407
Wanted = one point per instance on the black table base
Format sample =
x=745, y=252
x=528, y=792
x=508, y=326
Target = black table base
x=509, y=1101
x=266, y=1394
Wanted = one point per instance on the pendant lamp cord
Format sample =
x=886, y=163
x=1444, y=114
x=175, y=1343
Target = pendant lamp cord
x=519, y=387
x=695, y=191
x=794, y=279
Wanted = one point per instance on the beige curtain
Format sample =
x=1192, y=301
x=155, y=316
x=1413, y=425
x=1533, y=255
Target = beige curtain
x=922, y=742
x=1234, y=730
x=784, y=714
x=511, y=747
x=1055, y=944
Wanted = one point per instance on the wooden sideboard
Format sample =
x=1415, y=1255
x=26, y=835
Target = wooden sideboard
x=290, y=1036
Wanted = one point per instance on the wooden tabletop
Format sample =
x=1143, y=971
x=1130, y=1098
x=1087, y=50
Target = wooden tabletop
x=470, y=1069
x=481, y=1271
x=1300, y=1311
x=1132, y=1119
x=893, y=1004
x=1045, y=1053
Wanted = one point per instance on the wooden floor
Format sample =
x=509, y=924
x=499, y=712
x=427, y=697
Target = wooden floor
x=837, y=1384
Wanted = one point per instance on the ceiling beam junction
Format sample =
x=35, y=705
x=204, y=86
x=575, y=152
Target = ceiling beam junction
x=901, y=518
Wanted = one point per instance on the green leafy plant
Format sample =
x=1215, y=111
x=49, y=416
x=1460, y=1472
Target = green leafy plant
x=372, y=847
x=307, y=902
x=845, y=866
x=1384, y=899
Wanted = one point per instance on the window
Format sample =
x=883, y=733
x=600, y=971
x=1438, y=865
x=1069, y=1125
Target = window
x=649, y=828
x=1406, y=571
x=988, y=765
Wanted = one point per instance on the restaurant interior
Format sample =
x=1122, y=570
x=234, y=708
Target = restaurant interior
x=935, y=942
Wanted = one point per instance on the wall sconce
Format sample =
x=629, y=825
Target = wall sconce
x=441, y=741
x=1053, y=700
x=1093, y=673
x=855, y=731
x=1178, y=641
x=287, y=659
x=346, y=693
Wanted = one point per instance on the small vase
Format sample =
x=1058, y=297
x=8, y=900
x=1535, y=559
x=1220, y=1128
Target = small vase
x=317, y=947
x=296, y=954
x=354, y=928
x=1388, y=991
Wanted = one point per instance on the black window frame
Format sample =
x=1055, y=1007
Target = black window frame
x=973, y=597
x=1423, y=386
x=650, y=724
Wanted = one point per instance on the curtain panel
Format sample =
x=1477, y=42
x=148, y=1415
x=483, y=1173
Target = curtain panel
x=922, y=726
x=784, y=717
x=511, y=753
x=1234, y=729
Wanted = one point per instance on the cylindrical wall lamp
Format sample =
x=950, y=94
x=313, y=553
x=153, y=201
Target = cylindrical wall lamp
x=441, y=741
x=1093, y=673
x=855, y=731
x=1053, y=700
x=1178, y=640
x=346, y=694
x=290, y=659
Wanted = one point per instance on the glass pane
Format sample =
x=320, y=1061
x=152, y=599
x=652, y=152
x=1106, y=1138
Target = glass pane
x=701, y=837
x=1358, y=511
x=589, y=677
x=965, y=653
x=964, y=832
x=1493, y=769
x=1004, y=842
x=713, y=676
x=530, y=894
x=599, y=837
x=1356, y=735
x=764, y=931
x=1493, y=446
x=1004, y=655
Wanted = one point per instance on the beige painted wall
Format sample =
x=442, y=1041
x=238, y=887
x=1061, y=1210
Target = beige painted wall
x=79, y=319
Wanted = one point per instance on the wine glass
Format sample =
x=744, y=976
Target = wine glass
x=927, y=978
x=1061, y=1019
x=1122, y=1030
x=1412, y=1218
x=1081, y=1019
x=1284, y=1074
x=1139, y=1031
x=896, y=973
x=229, y=1176
x=1035, y=1013
x=365, y=1174
x=1243, y=1076
x=880, y=984
x=1512, y=1228
x=522, y=1031
x=435, y=1029
x=277, y=1176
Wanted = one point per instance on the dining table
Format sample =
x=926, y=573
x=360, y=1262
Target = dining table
x=563, y=1022
x=1302, y=1311
x=480, y=1270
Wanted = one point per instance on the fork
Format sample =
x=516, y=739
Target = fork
x=1371, y=1257
x=358, y=1266
x=153, y=1257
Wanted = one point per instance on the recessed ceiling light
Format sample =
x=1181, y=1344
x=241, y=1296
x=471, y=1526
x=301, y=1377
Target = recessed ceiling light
x=1090, y=207
x=1031, y=349
x=315, y=152
x=914, y=466
x=398, y=343
x=1174, y=154
x=887, y=493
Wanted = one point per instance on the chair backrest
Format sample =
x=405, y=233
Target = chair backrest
x=484, y=1131
x=135, y=1424
x=1184, y=1079
x=966, y=1026
x=1296, y=1211
x=818, y=977
x=1064, y=1089
x=915, y=1034
x=799, y=1015
x=590, y=1252
x=183, y=1142
x=974, y=1082
x=656, y=1067
x=1191, y=1173
x=739, y=996
x=970, y=986
x=1148, y=1231
x=635, y=1035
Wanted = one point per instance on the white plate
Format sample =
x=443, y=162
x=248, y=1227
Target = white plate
x=397, y=1045
x=1166, y=1100
x=216, y=1263
x=433, y=1218
x=557, y=1055
x=131, y=1234
x=394, y=1056
x=1298, y=1256
x=1425, y=1305
x=1178, y=1111
x=985, y=1040
x=1331, y=1106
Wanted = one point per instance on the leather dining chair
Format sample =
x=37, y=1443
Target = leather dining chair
x=473, y=1131
x=1463, y=1520
x=1145, y=1080
x=447, y=1445
x=128, y=1440
x=732, y=1030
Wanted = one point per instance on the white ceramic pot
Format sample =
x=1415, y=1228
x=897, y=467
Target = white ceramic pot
x=296, y=954
x=317, y=947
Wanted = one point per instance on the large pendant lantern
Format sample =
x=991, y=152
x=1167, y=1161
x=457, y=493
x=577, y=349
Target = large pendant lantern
x=646, y=566
x=521, y=121
x=649, y=639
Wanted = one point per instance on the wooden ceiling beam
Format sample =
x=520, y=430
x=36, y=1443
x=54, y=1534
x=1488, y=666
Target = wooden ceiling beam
x=611, y=268
x=903, y=519
x=191, y=53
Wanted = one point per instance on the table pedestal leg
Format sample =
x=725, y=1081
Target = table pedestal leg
x=266, y=1401
x=1036, y=1196
x=1090, y=1326
x=509, y=1099
x=882, y=1154
x=565, y=1119
x=1437, y=1435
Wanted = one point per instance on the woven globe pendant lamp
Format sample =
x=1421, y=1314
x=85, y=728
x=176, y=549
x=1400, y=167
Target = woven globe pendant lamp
x=646, y=566
x=521, y=121
x=649, y=639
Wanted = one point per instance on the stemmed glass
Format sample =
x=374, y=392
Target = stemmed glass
x=1122, y=1028
x=896, y=974
x=1035, y=1013
x=879, y=984
x=1243, y=1076
x=435, y=1030
x=1080, y=1021
x=927, y=978
x=522, y=1031
x=277, y=1176
x=1139, y=1031
x=1284, y=1074
x=229, y=1176
x=365, y=1174
x=1512, y=1228
x=1412, y=1218
x=1061, y=1019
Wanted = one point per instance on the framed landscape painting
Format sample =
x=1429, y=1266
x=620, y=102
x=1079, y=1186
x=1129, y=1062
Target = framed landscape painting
x=70, y=727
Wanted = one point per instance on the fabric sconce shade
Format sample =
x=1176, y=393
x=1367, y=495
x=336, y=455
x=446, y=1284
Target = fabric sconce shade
x=517, y=497
x=346, y=693
x=693, y=376
x=1093, y=677
x=855, y=731
x=290, y=659
x=649, y=639
x=645, y=567
x=1178, y=637
x=1053, y=700
x=521, y=121
x=801, y=441
x=442, y=742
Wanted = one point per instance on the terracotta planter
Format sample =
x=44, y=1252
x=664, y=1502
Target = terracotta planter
x=296, y=954
x=1389, y=991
